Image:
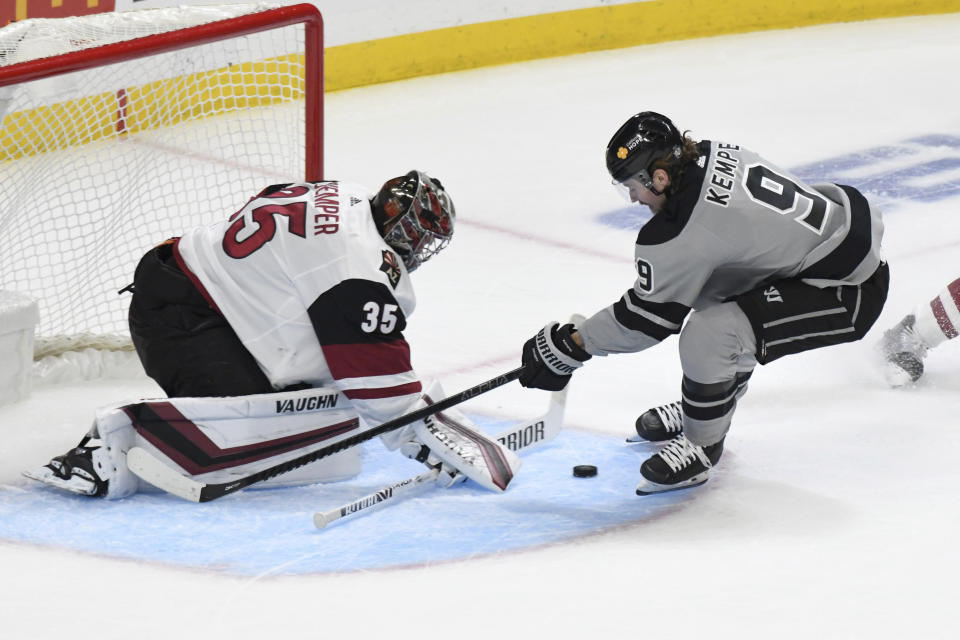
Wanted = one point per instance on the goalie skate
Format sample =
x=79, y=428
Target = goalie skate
x=73, y=472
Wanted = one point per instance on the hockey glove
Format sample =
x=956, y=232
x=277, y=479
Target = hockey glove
x=551, y=357
x=447, y=477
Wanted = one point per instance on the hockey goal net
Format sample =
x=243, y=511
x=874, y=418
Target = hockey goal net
x=120, y=130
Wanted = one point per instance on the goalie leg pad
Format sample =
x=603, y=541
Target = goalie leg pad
x=220, y=439
x=115, y=431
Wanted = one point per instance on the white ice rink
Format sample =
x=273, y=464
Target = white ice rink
x=834, y=512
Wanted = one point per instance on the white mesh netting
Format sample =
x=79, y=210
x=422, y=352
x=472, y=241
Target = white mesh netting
x=44, y=37
x=99, y=165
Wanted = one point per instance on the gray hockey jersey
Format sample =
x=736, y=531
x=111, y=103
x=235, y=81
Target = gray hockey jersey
x=735, y=222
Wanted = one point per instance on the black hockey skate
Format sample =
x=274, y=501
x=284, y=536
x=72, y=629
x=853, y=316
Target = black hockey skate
x=73, y=472
x=904, y=351
x=680, y=464
x=659, y=424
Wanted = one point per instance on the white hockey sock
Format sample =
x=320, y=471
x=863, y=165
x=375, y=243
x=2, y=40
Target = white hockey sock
x=938, y=320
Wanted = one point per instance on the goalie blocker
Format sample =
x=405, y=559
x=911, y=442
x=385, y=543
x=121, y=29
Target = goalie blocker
x=219, y=440
x=456, y=444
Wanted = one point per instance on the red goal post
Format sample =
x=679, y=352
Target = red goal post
x=110, y=149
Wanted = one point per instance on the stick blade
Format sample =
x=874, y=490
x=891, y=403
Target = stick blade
x=148, y=468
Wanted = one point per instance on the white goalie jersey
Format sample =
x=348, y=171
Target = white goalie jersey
x=313, y=292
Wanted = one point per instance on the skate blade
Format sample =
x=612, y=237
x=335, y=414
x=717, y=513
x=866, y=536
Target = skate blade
x=73, y=485
x=648, y=488
x=638, y=439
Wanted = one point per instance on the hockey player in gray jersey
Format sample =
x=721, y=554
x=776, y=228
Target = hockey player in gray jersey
x=742, y=259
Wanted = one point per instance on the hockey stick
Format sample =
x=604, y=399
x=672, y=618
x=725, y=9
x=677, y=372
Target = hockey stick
x=152, y=470
x=524, y=437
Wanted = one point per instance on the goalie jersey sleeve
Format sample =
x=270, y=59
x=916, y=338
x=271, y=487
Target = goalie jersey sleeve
x=735, y=223
x=313, y=292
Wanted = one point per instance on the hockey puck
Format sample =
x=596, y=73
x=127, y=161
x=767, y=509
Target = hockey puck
x=584, y=471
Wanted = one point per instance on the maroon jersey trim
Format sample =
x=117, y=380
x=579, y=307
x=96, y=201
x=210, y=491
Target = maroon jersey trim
x=383, y=392
x=362, y=360
x=192, y=276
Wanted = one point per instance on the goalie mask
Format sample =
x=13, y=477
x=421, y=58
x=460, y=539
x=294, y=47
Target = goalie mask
x=641, y=141
x=415, y=217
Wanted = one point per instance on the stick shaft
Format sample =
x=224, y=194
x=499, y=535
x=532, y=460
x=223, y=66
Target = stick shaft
x=396, y=490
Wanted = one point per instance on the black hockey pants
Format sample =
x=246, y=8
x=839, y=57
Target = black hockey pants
x=185, y=345
x=791, y=316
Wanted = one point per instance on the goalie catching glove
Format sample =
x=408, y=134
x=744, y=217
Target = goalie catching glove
x=551, y=357
x=447, y=476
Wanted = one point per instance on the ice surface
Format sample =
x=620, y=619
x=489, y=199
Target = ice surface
x=270, y=532
x=834, y=514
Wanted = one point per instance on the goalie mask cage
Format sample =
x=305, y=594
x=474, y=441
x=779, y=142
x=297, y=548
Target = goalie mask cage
x=120, y=130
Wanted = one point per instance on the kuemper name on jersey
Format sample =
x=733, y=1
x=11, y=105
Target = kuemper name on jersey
x=723, y=175
x=327, y=202
x=328, y=401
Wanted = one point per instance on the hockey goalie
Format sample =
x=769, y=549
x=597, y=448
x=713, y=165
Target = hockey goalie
x=277, y=332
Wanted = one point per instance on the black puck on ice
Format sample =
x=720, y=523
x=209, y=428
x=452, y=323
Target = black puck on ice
x=584, y=471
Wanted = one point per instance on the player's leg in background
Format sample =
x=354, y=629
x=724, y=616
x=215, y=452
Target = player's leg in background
x=906, y=344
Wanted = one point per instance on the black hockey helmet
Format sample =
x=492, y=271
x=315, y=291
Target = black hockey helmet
x=643, y=139
x=415, y=217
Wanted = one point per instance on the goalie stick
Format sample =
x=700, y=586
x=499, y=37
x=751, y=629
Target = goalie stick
x=524, y=437
x=152, y=470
